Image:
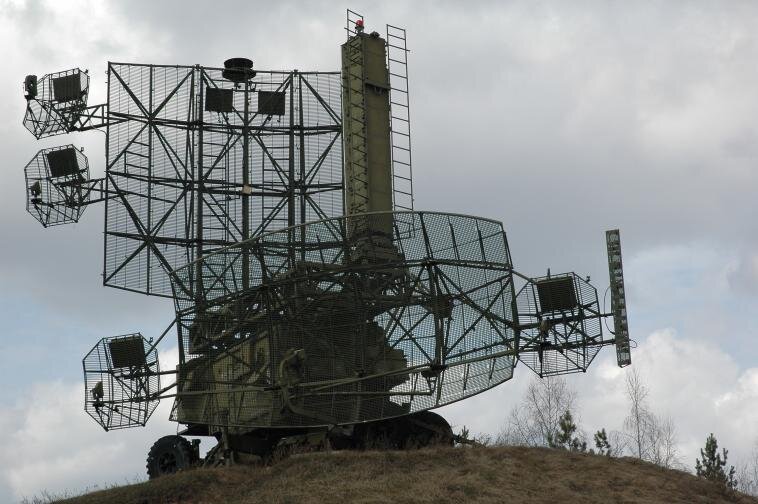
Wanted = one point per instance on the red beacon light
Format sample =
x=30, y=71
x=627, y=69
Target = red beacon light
x=359, y=25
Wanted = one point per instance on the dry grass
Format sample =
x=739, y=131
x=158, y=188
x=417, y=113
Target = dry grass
x=510, y=474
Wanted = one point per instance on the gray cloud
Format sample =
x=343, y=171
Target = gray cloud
x=560, y=119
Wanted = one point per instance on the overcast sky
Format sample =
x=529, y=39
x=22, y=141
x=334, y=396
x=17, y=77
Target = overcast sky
x=562, y=119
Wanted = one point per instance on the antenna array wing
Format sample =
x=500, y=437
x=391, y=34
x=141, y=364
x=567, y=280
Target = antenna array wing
x=559, y=320
x=618, y=297
x=121, y=380
x=199, y=162
x=55, y=102
x=56, y=185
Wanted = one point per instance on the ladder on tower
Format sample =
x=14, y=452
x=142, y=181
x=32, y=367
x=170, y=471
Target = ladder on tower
x=354, y=124
x=400, y=122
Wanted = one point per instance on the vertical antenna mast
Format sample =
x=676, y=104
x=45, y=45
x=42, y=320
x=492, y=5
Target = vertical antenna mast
x=366, y=131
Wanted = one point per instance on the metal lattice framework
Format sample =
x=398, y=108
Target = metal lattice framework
x=57, y=185
x=339, y=331
x=301, y=302
x=559, y=337
x=197, y=162
x=122, y=380
x=59, y=102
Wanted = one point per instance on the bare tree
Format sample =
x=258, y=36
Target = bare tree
x=747, y=473
x=662, y=443
x=619, y=443
x=639, y=417
x=651, y=437
x=536, y=419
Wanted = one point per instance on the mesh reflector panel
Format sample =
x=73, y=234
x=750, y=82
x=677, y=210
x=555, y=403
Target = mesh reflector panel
x=340, y=330
x=191, y=176
x=121, y=379
x=561, y=336
x=61, y=98
x=56, y=189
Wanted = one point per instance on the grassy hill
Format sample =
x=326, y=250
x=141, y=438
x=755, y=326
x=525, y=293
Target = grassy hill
x=509, y=474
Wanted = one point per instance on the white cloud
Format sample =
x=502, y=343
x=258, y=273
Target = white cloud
x=690, y=368
x=694, y=382
x=53, y=445
x=702, y=388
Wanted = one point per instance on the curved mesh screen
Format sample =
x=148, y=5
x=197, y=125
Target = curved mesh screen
x=316, y=325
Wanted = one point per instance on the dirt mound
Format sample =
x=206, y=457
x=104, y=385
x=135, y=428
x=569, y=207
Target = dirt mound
x=509, y=474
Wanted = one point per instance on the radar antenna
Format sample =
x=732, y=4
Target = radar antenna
x=312, y=300
x=618, y=298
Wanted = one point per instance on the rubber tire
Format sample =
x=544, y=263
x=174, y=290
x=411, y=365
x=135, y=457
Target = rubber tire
x=168, y=455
